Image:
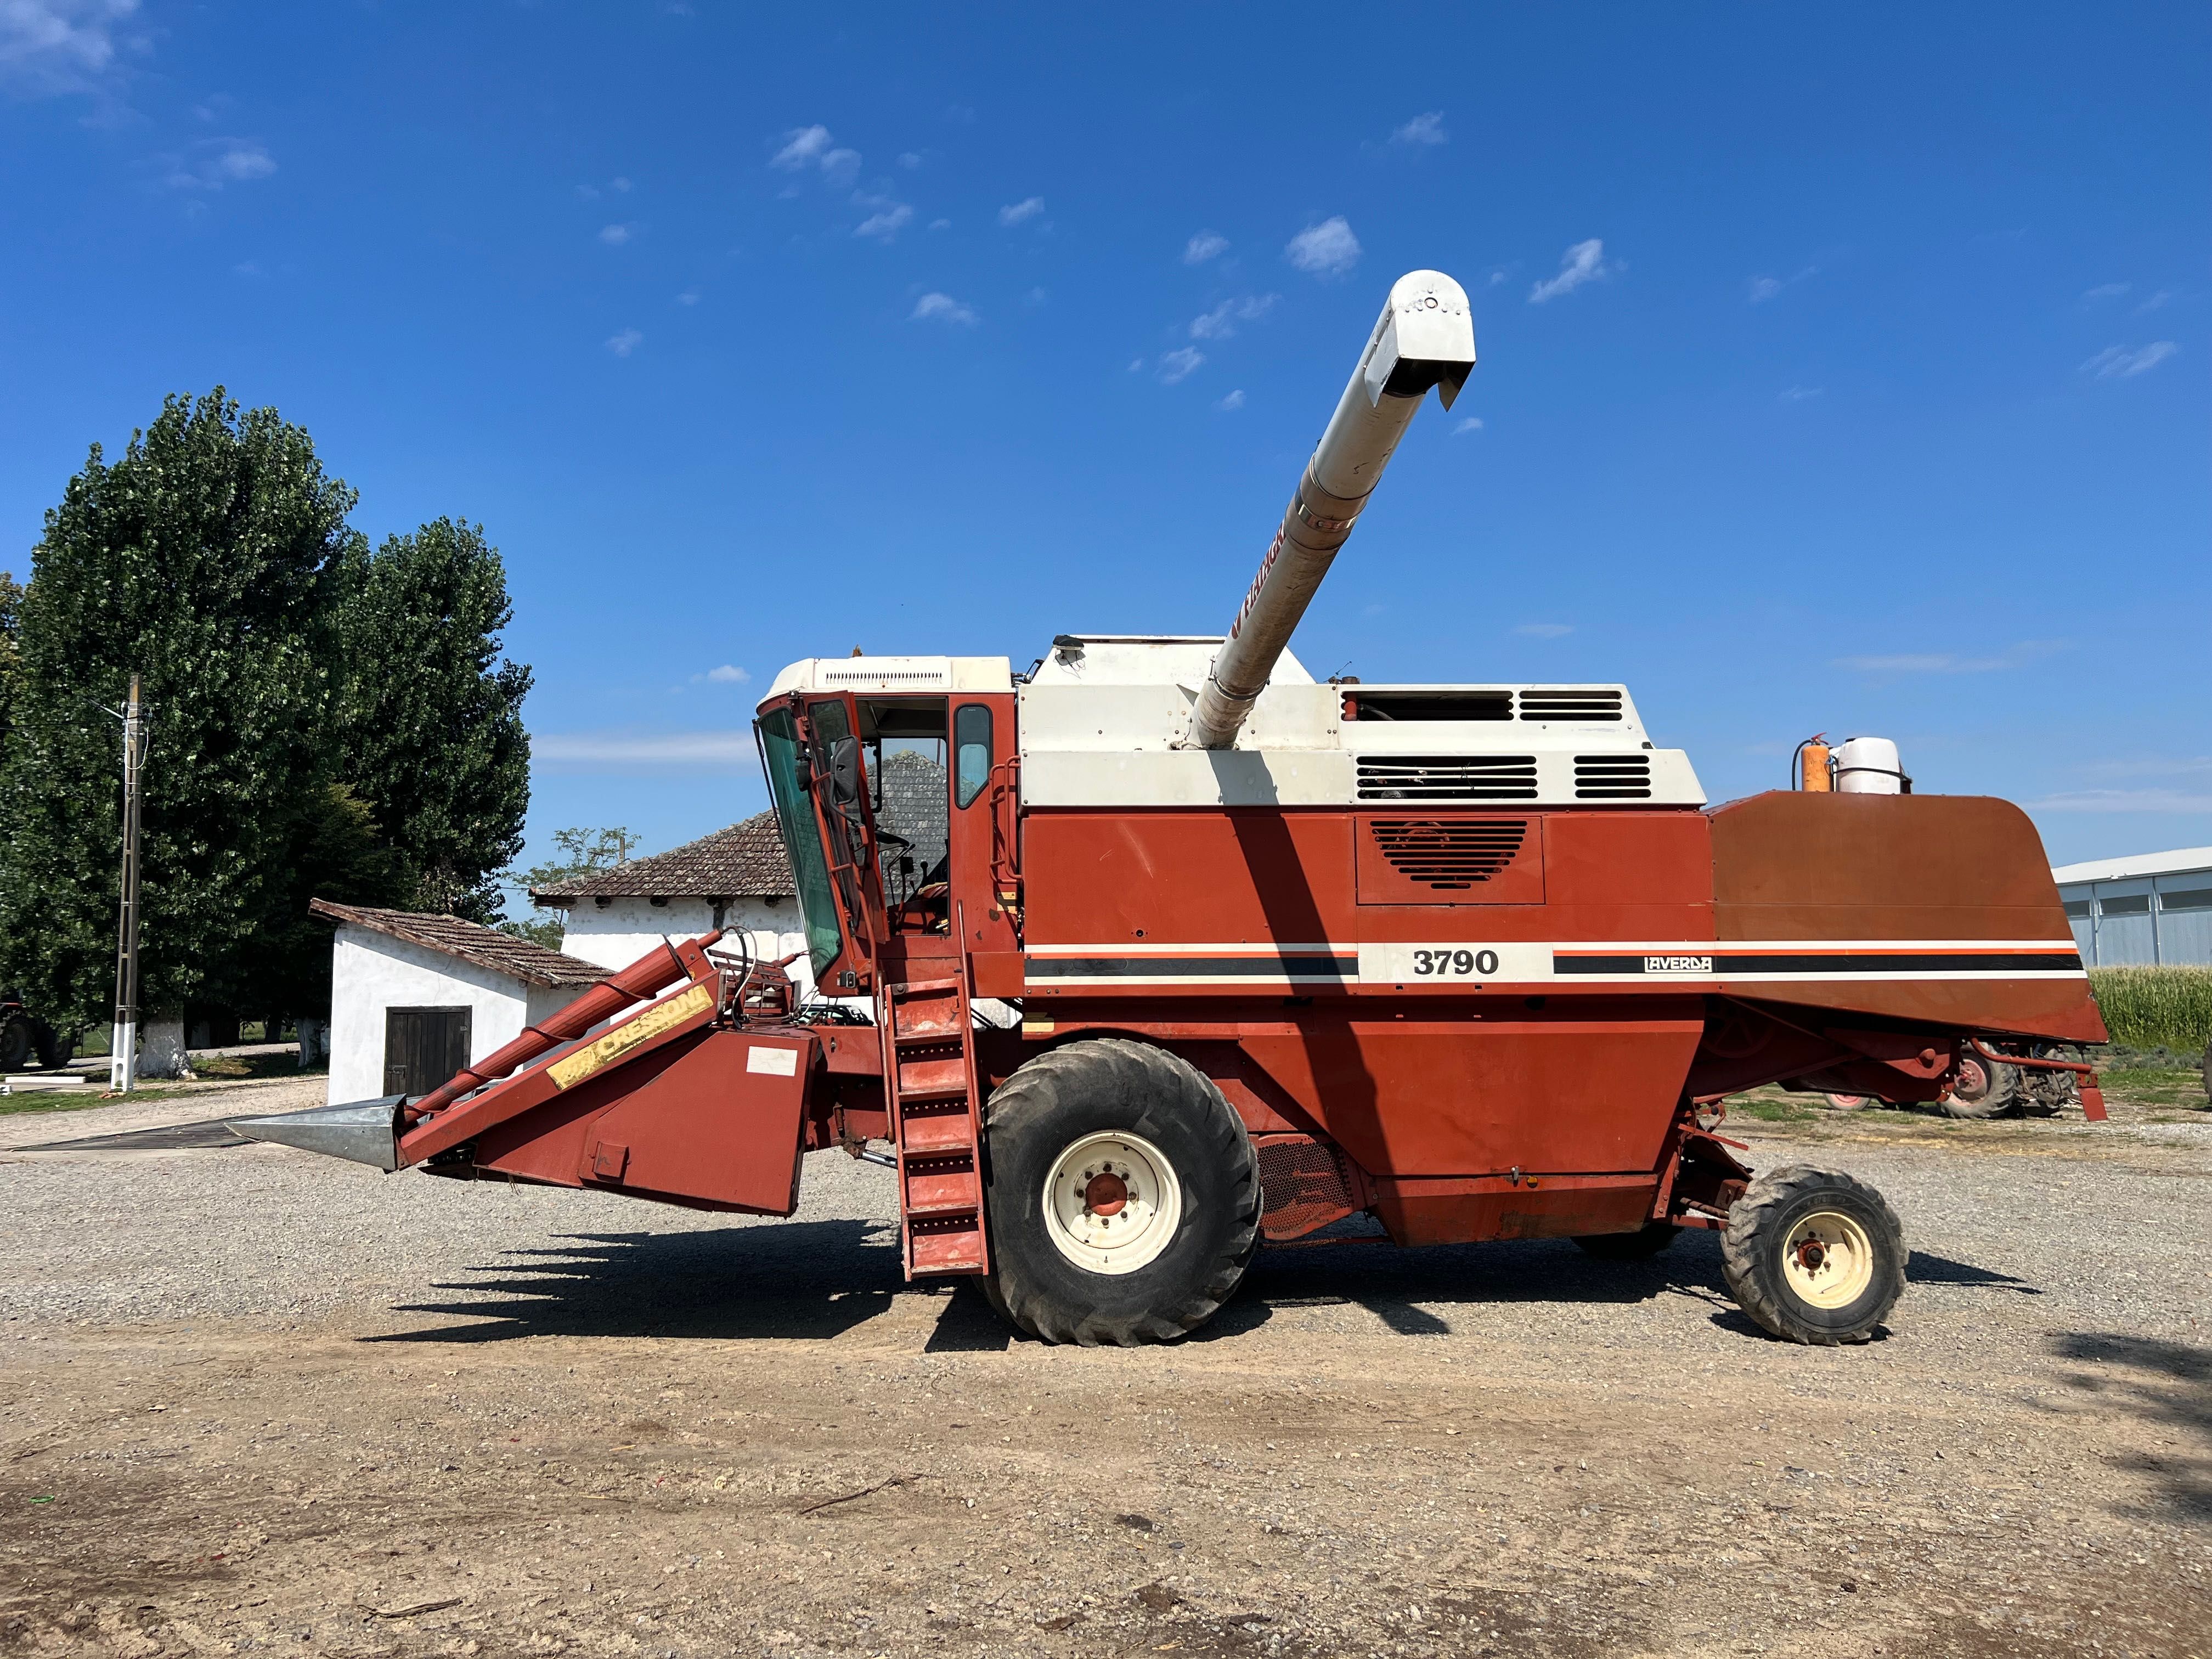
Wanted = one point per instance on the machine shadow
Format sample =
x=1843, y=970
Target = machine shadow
x=1417, y=1292
x=803, y=1280
x=2165, y=1383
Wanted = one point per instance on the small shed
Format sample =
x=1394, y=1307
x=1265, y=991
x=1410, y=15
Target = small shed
x=2146, y=910
x=738, y=878
x=413, y=998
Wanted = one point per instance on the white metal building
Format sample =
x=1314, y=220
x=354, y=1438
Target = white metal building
x=2152, y=909
x=415, y=998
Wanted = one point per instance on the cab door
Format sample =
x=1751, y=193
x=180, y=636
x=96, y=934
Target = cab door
x=828, y=728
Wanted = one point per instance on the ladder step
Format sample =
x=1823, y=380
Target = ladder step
x=924, y=1130
x=944, y=1246
x=933, y=1075
x=939, y=1186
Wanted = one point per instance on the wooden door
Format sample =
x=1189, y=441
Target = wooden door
x=423, y=1048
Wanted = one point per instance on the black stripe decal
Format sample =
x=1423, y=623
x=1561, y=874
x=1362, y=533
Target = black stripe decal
x=1345, y=968
x=1960, y=962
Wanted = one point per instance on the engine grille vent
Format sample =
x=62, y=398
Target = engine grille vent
x=1613, y=777
x=1447, y=777
x=1554, y=703
x=1449, y=854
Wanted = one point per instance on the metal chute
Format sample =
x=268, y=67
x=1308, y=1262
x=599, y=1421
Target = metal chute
x=1424, y=338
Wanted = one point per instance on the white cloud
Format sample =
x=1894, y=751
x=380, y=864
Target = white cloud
x=2124, y=800
x=1328, y=249
x=803, y=147
x=943, y=307
x=1947, y=662
x=885, y=222
x=1036, y=296
x=1016, y=212
x=1206, y=245
x=2107, y=291
x=1545, y=630
x=59, y=45
x=909, y=160
x=2154, y=301
x=1496, y=277
x=1582, y=262
x=940, y=224
x=1180, y=365
x=728, y=674
x=1798, y=394
x=1763, y=289
x=615, y=235
x=2124, y=362
x=1234, y=400
x=214, y=163
x=583, y=749
x=1422, y=130
x=623, y=343
x=810, y=149
x=1220, y=323
x=1135, y=363
x=1467, y=423
x=689, y=297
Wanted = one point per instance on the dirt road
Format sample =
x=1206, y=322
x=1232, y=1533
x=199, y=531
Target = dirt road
x=254, y=1401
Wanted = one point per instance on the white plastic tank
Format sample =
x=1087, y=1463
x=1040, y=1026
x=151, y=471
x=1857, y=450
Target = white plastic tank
x=1869, y=766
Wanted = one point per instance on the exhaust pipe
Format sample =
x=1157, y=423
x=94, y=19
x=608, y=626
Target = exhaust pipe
x=1424, y=338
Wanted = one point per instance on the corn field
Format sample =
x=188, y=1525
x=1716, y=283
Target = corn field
x=2156, y=1007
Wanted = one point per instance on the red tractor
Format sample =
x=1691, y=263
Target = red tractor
x=1265, y=954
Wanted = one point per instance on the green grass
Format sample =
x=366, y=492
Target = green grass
x=2156, y=1007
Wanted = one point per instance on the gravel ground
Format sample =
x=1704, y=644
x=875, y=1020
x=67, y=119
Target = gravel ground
x=256, y=1399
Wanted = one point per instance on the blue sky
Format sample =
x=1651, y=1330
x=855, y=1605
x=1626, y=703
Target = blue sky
x=1841, y=370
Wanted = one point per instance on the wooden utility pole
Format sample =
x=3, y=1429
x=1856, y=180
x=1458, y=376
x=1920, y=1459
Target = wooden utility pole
x=123, y=1055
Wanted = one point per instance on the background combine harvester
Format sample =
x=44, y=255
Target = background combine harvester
x=1472, y=959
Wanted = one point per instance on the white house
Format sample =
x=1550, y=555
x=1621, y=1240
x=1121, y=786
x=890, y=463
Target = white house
x=736, y=878
x=415, y=998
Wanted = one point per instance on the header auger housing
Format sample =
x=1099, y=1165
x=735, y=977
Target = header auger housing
x=1209, y=955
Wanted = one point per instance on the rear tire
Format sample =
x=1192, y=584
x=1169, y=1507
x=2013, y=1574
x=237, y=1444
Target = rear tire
x=54, y=1052
x=1814, y=1255
x=1123, y=1195
x=1641, y=1245
x=14, y=1042
x=1984, y=1088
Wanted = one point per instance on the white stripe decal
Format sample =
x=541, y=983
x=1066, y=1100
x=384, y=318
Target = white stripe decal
x=1699, y=964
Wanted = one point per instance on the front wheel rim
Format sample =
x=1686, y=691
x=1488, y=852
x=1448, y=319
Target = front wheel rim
x=1827, y=1260
x=1112, y=1203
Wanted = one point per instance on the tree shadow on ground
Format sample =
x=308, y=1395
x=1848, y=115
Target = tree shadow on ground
x=2166, y=1383
x=809, y=1281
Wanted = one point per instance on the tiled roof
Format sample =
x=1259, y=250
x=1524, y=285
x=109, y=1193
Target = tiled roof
x=466, y=941
x=745, y=860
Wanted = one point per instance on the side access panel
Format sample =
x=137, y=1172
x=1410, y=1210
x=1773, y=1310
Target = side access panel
x=716, y=1119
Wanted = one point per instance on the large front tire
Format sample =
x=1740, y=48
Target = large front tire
x=1123, y=1195
x=1814, y=1255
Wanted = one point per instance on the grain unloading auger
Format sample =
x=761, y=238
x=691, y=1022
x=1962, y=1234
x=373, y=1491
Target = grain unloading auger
x=1475, y=960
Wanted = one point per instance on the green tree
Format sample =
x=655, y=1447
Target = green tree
x=11, y=657
x=584, y=852
x=206, y=558
x=428, y=717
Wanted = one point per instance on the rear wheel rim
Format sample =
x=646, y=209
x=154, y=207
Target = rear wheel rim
x=1827, y=1259
x=1112, y=1203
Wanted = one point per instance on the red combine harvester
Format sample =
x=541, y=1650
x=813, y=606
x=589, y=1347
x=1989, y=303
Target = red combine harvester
x=1474, y=960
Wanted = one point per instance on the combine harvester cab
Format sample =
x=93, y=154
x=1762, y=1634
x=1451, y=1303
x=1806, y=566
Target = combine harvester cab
x=1212, y=954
